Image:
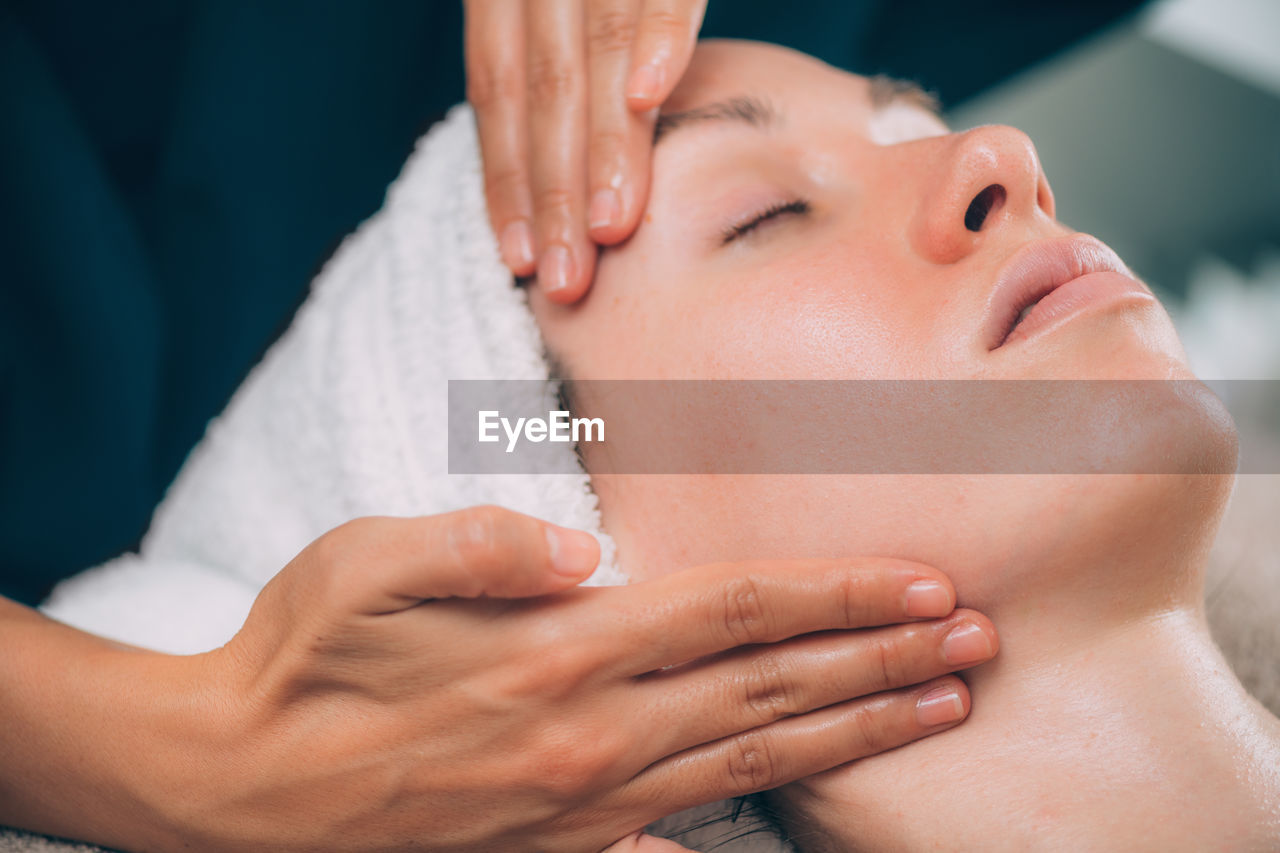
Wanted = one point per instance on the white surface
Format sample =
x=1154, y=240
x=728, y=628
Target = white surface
x=1230, y=322
x=1239, y=37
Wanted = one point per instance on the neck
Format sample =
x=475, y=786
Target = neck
x=1136, y=736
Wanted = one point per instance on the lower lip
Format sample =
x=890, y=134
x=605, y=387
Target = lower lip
x=1068, y=300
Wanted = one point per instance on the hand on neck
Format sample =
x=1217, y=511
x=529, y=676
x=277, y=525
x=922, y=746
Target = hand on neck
x=1106, y=722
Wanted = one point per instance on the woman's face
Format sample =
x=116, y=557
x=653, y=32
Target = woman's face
x=867, y=270
x=803, y=224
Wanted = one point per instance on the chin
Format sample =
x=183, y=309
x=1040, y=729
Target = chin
x=1126, y=533
x=1119, y=544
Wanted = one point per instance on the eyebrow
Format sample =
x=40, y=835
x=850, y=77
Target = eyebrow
x=752, y=111
x=758, y=113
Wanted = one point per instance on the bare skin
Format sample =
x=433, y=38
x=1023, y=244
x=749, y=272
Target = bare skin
x=557, y=84
x=440, y=683
x=1109, y=711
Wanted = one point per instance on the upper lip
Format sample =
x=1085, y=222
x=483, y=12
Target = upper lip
x=1036, y=270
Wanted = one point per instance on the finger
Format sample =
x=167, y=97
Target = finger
x=556, y=85
x=752, y=687
x=383, y=565
x=620, y=140
x=701, y=611
x=664, y=46
x=640, y=843
x=796, y=747
x=494, y=42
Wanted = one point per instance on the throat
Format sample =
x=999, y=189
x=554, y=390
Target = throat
x=1100, y=747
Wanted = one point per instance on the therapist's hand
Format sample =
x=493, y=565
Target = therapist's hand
x=442, y=684
x=395, y=686
x=565, y=94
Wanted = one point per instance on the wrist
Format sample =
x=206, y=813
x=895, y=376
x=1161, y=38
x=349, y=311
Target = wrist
x=173, y=733
x=102, y=741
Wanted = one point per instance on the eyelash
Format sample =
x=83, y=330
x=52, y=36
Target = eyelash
x=733, y=232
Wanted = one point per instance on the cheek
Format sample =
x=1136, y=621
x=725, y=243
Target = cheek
x=677, y=522
x=634, y=322
x=1001, y=539
x=841, y=313
x=831, y=316
x=812, y=315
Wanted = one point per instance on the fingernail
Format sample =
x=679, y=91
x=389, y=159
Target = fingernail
x=966, y=644
x=604, y=209
x=573, y=552
x=555, y=269
x=938, y=706
x=645, y=82
x=927, y=598
x=517, y=244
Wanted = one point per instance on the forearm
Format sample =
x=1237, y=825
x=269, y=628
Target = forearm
x=91, y=729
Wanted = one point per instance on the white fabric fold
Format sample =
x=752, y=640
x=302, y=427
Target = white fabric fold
x=345, y=416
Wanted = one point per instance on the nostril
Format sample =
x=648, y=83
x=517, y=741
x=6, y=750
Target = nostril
x=982, y=205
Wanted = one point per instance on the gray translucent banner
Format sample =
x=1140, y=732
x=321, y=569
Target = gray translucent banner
x=866, y=427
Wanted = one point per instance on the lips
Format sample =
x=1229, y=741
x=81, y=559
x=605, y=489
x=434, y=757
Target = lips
x=1051, y=278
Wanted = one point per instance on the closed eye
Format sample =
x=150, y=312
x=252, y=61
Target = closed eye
x=733, y=232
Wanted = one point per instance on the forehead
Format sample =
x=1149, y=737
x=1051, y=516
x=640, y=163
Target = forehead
x=724, y=68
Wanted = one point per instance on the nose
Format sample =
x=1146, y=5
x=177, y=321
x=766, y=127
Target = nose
x=985, y=182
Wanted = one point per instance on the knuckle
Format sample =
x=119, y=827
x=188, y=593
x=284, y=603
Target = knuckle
x=607, y=144
x=546, y=680
x=744, y=611
x=611, y=31
x=600, y=762
x=769, y=693
x=339, y=544
x=477, y=536
x=666, y=23
x=557, y=661
x=869, y=734
x=478, y=524
x=886, y=667
x=331, y=557
x=550, y=80
x=553, y=200
x=505, y=183
x=557, y=769
x=751, y=764
x=490, y=86
x=570, y=765
x=355, y=530
x=564, y=778
x=851, y=601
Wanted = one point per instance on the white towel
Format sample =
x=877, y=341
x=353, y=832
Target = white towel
x=345, y=416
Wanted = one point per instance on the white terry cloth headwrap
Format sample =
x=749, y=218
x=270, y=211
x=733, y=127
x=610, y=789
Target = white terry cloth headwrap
x=345, y=416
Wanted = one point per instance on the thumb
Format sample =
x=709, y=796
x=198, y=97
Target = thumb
x=640, y=843
x=390, y=564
